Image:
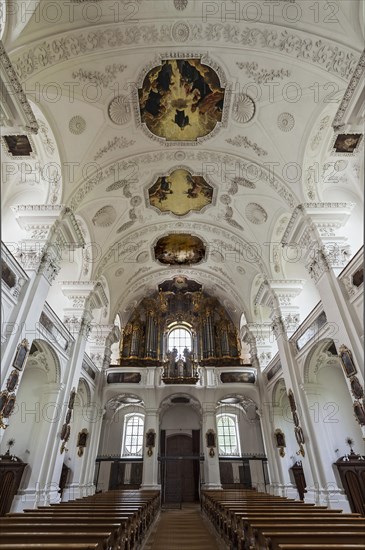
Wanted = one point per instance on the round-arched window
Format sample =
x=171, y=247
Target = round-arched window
x=228, y=440
x=179, y=338
x=133, y=435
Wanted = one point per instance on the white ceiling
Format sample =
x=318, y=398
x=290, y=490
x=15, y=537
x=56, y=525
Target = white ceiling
x=273, y=61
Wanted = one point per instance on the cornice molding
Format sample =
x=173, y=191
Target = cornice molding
x=355, y=82
x=324, y=213
x=69, y=45
x=12, y=95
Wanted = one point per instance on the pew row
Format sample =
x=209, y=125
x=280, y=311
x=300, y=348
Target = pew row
x=115, y=520
x=248, y=520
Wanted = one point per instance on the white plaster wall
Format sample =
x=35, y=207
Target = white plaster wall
x=25, y=421
x=333, y=413
x=180, y=417
x=257, y=474
x=104, y=475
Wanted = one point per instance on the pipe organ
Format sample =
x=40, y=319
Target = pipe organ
x=214, y=338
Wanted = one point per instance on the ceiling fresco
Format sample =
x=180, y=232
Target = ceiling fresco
x=180, y=192
x=181, y=100
x=179, y=249
x=347, y=143
x=180, y=283
x=18, y=145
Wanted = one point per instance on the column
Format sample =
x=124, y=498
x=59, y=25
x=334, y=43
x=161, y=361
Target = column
x=99, y=344
x=329, y=494
x=78, y=488
x=324, y=255
x=51, y=229
x=291, y=377
x=86, y=297
x=212, y=477
x=39, y=491
x=278, y=484
x=88, y=479
x=150, y=461
x=264, y=342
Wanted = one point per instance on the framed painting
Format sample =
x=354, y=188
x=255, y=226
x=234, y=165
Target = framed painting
x=211, y=438
x=279, y=438
x=356, y=387
x=3, y=399
x=347, y=361
x=299, y=436
x=359, y=411
x=21, y=355
x=9, y=406
x=346, y=144
x=81, y=441
x=82, y=438
x=293, y=406
x=12, y=381
x=72, y=399
x=150, y=438
x=295, y=418
x=68, y=416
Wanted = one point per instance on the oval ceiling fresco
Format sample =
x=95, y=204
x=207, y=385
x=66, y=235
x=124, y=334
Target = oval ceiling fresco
x=180, y=249
x=181, y=100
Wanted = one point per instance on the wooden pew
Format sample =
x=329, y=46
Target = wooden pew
x=274, y=539
x=258, y=529
x=227, y=520
x=51, y=546
x=321, y=547
x=256, y=525
x=125, y=525
x=244, y=532
x=103, y=538
x=115, y=521
x=256, y=520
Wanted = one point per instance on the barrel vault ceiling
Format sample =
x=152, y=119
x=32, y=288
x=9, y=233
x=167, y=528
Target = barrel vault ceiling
x=81, y=65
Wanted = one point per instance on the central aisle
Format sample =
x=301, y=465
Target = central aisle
x=182, y=529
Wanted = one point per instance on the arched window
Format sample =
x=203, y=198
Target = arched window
x=179, y=338
x=228, y=439
x=133, y=435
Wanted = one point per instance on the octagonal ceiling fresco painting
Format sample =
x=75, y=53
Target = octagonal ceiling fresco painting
x=179, y=249
x=181, y=100
x=180, y=192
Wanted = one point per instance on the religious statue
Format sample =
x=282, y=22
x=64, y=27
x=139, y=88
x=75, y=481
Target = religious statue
x=171, y=356
x=188, y=362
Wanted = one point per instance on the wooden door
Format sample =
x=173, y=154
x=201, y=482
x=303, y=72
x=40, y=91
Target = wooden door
x=180, y=480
